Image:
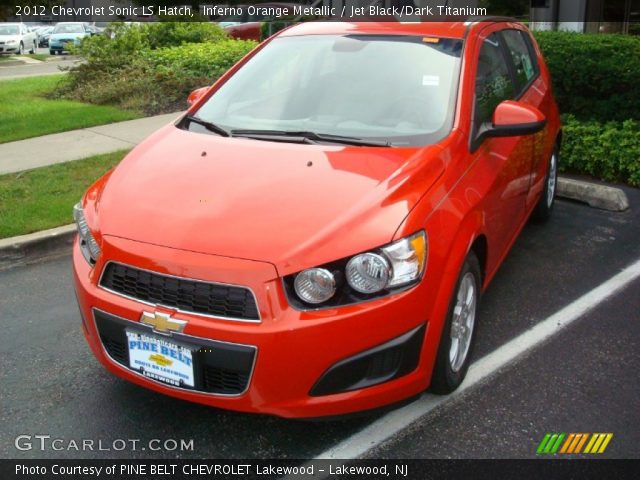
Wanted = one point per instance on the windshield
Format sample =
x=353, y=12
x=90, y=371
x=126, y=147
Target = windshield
x=9, y=30
x=398, y=89
x=74, y=28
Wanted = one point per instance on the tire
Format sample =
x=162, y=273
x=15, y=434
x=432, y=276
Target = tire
x=34, y=48
x=543, y=209
x=21, y=49
x=458, y=334
x=51, y=52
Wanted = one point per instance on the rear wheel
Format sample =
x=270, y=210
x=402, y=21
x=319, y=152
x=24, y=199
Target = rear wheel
x=456, y=342
x=51, y=52
x=544, y=207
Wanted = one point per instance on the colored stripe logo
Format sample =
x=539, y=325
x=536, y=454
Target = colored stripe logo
x=573, y=443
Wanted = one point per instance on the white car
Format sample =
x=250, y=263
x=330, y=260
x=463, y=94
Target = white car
x=16, y=38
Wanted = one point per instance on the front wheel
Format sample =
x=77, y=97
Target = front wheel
x=456, y=342
x=544, y=207
x=34, y=48
x=21, y=49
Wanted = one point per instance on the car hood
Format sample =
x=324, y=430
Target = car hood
x=289, y=204
x=56, y=36
x=7, y=38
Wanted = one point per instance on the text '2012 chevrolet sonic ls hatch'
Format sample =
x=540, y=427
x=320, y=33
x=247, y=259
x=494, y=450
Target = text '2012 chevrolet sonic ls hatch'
x=312, y=238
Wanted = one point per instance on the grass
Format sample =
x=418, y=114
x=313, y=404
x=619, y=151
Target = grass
x=36, y=56
x=39, y=56
x=26, y=112
x=43, y=198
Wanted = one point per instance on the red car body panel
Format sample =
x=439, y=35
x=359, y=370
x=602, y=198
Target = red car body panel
x=230, y=211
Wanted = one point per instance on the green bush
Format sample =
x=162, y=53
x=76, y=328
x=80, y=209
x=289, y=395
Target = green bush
x=150, y=81
x=595, y=77
x=170, y=34
x=609, y=151
x=208, y=60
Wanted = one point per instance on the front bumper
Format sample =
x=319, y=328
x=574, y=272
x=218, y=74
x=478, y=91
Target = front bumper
x=9, y=48
x=294, y=350
x=61, y=46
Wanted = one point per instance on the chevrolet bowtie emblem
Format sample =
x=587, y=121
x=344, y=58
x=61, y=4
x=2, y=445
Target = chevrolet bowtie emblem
x=162, y=323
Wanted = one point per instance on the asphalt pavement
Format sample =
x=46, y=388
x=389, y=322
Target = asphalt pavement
x=583, y=379
x=50, y=67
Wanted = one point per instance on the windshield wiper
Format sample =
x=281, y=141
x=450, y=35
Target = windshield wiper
x=212, y=127
x=283, y=135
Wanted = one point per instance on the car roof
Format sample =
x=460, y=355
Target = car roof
x=440, y=29
x=436, y=29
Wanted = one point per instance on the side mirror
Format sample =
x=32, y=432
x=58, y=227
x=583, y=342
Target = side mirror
x=196, y=95
x=511, y=119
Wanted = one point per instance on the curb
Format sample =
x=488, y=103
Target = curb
x=594, y=194
x=36, y=246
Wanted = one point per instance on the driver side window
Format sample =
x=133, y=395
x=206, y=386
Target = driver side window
x=493, y=81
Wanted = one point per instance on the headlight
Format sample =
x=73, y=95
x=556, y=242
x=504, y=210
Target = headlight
x=315, y=285
x=368, y=275
x=88, y=245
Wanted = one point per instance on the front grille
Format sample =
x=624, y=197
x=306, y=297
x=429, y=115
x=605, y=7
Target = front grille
x=186, y=295
x=219, y=368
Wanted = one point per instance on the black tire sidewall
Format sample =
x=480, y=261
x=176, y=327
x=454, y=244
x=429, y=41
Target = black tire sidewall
x=543, y=211
x=444, y=379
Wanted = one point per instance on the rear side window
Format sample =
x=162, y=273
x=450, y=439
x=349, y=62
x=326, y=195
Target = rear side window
x=526, y=67
x=493, y=81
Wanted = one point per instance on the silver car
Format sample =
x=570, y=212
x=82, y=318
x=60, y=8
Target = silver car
x=16, y=38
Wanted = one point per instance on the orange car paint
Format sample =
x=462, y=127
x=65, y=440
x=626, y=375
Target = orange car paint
x=234, y=216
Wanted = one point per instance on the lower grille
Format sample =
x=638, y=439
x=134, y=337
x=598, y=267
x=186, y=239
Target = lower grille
x=219, y=368
x=224, y=381
x=116, y=349
x=184, y=294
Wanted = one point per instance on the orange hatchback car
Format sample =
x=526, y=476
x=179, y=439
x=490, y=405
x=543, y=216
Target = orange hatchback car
x=313, y=237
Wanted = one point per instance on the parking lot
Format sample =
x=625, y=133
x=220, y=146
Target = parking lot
x=50, y=67
x=581, y=380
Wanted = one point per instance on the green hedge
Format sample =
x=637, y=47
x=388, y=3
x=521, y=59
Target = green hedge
x=200, y=60
x=609, y=151
x=151, y=68
x=595, y=77
x=596, y=80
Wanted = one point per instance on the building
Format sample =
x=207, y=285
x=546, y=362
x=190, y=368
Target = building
x=587, y=16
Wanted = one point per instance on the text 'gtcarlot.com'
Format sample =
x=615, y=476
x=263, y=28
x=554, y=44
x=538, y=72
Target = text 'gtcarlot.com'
x=46, y=442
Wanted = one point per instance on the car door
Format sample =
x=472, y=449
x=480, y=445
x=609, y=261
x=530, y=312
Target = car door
x=530, y=89
x=503, y=163
x=27, y=38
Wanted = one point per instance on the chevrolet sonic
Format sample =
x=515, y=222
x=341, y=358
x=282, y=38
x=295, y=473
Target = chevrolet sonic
x=313, y=236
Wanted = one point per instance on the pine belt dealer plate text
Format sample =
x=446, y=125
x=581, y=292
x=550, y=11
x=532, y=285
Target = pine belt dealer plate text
x=160, y=359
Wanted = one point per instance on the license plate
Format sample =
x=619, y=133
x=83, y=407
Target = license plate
x=160, y=359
